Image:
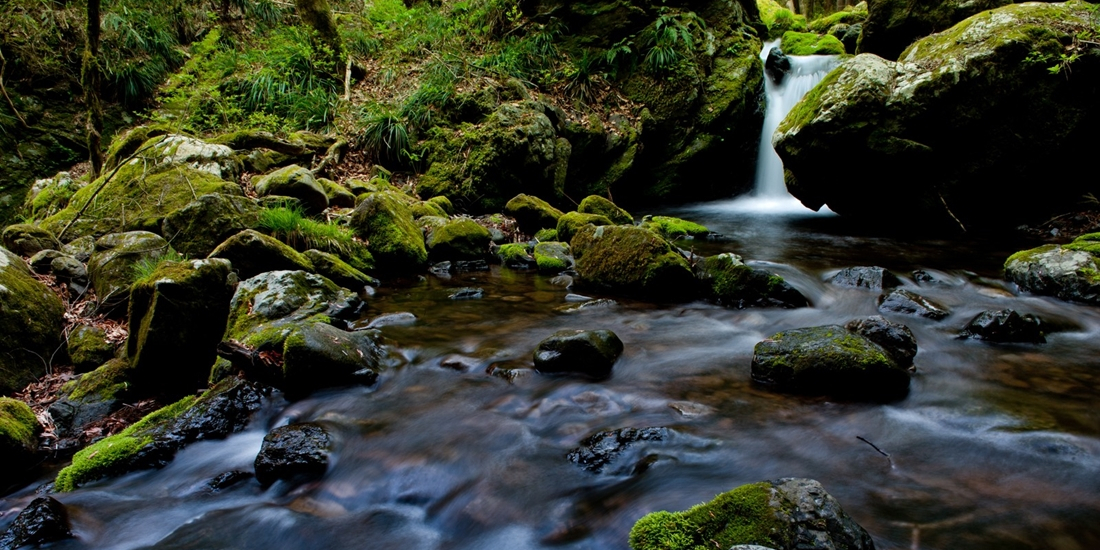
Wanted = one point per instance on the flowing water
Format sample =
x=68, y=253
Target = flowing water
x=995, y=447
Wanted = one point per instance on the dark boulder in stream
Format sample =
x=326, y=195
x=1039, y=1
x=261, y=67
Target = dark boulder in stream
x=597, y=451
x=43, y=521
x=588, y=352
x=295, y=452
x=1005, y=326
x=631, y=260
x=868, y=277
x=903, y=302
x=784, y=514
x=831, y=360
x=733, y=284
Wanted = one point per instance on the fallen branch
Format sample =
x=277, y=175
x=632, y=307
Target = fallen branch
x=875, y=447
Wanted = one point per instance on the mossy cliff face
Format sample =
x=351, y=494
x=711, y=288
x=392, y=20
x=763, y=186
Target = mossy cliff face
x=31, y=316
x=631, y=260
x=962, y=118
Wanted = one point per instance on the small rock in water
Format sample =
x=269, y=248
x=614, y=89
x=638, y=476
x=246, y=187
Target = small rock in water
x=895, y=338
x=690, y=409
x=463, y=266
x=44, y=520
x=228, y=479
x=869, y=277
x=399, y=319
x=589, y=305
x=564, y=281
x=598, y=450
x=297, y=451
x=587, y=352
x=467, y=293
x=777, y=65
x=907, y=303
x=576, y=298
x=1005, y=326
x=441, y=270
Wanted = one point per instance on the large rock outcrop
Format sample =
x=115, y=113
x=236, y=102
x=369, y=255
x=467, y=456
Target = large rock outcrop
x=960, y=129
x=30, y=324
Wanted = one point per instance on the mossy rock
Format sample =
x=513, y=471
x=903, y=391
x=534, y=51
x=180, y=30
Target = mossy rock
x=31, y=317
x=570, y=223
x=1070, y=272
x=516, y=256
x=339, y=271
x=631, y=260
x=112, y=267
x=385, y=221
x=424, y=208
x=317, y=355
x=892, y=25
x=444, y=203
x=829, y=360
x=129, y=142
x=462, y=239
x=177, y=317
x=49, y=196
x=773, y=514
x=294, y=181
x=91, y=397
x=177, y=150
x=19, y=431
x=198, y=228
x=848, y=16
x=88, y=347
x=734, y=284
x=546, y=235
x=26, y=239
x=153, y=441
x=338, y=195
x=595, y=204
x=674, y=228
x=552, y=257
x=808, y=43
x=138, y=197
x=252, y=253
x=532, y=213
x=779, y=19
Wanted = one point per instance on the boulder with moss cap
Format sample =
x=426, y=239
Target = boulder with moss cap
x=18, y=439
x=111, y=268
x=674, y=228
x=631, y=260
x=297, y=182
x=1068, y=272
x=733, y=284
x=784, y=514
x=595, y=204
x=91, y=397
x=552, y=257
x=461, y=239
x=31, y=318
x=571, y=222
x=339, y=271
x=26, y=239
x=384, y=220
x=88, y=347
x=532, y=213
x=252, y=253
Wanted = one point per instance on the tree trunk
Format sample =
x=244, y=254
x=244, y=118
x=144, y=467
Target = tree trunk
x=318, y=15
x=91, y=82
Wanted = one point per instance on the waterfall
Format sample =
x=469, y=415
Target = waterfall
x=770, y=192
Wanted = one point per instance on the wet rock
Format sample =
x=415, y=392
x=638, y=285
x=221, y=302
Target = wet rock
x=598, y=450
x=25, y=239
x=1060, y=271
x=532, y=213
x=252, y=253
x=631, y=260
x=467, y=266
x=869, y=277
x=516, y=256
x=228, y=479
x=777, y=65
x=895, y=338
x=297, y=182
x=553, y=257
x=31, y=317
x=88, y=347
x=204, y=223
x=462, y=239
x=90, y=398
x=892, y=25
x=588, y=352
x=153, y=441
x=595, y=204
x=177, y=316
x=787, y=514
x=1005, y=326
x=590, y=305
x=111, y=266
x=467, y=293
x=384, y=220
x=317, y=355
x=43, y=521
x=19, y=431
x=829, y=360
x=339, y=271
x=400, y=319
x=298, y=452
x=675, y=228
x=733, y=284
x=903, y=302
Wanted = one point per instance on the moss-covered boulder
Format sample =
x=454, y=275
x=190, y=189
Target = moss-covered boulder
x=588, y=352
x=595, y=204
x=318, y=355
x=850, y=15
x=516, y=256
x=784, y=514
x=514, y=149
x=297, y=182
x=252, y=253
x=808, y=43
x=443, y=203
x=552, y=257
x=569, y=224
x=338, y=271
x=88, y=347
x=892, y=25
x=384, y=220
x=91, y=397
x=631, y=260
x=461, y=239
x=779, y=19
x=31, y=317
x=674, y=228
x=425, y=208
x=829, y=360
x=153, y=441
x=199, y=227
x=338, y=195
x=19, y=431
x=112, y=267
x=26, y=239
x=960, y=118
x=731, y=283
x=532, y=213
x=48, y=196
x=1065, y=272
x=177, y=317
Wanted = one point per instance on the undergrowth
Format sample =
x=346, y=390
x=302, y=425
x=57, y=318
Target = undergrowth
x=290, y=225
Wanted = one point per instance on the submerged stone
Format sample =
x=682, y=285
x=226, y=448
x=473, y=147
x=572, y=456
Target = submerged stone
x=588, y=352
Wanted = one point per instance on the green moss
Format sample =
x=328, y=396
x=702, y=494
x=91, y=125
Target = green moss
x=779, y=19
x=552, y=257
x=421, y=209
x=546, y=235
x=550, y=263
x=18, y=424
x=102, y=458
x=532, y=213
x=806, y=109
x=595, y=204
x=513, y=253
x=462, y=239
x=805, y=43
x=675, y=228
x=847, y=16
x=1028, y=256
x=740, y=516
x=443, y=203
x=386, y=223
x=570, y=223
x=101, y=384
x=1092, y=247
x=631, y=259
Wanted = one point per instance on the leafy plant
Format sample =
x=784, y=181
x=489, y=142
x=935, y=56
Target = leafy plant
x=581, y=83
x=385, y=136
x=670, y=33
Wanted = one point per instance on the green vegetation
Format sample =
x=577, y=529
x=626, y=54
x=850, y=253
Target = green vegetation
x=289, y=224
x=808, y=43
x=18, y=424
x=145, y=266
x=674, y=228
x=740, y=516
x=847, y=16
x=778, y=19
